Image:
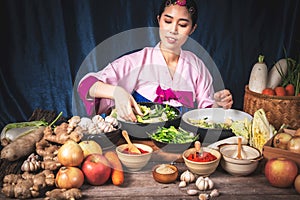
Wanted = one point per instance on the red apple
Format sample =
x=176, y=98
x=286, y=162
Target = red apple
x=96, y=169
x=281, y=172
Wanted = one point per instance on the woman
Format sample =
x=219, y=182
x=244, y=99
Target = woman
x=164, y=73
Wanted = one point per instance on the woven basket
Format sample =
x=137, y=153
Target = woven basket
x=279, y=110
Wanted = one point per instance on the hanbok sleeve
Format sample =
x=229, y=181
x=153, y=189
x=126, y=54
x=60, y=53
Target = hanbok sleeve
x=83, y=91
x=118, y=72
x=204, y=87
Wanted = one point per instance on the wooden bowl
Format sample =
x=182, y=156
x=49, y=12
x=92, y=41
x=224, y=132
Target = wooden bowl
x=165, y=177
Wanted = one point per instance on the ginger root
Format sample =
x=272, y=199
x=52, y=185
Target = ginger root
x=64, y=194
x=62, y=133
x=73, y=123
x=27, y=185
x=48, y=146
x=48, y=152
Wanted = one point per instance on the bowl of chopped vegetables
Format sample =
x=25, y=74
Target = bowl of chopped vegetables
x=174, y=140
x=155, y=115
x=214, y=124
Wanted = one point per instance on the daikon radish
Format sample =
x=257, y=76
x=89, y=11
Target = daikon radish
x=259, y=76
x=276, y=73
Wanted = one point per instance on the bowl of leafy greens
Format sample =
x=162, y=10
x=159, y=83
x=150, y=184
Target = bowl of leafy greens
x=155, y=115
x=214, y=124
x=175, y=140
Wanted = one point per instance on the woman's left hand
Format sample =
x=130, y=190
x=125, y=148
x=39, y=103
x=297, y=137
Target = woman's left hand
x=223, y=99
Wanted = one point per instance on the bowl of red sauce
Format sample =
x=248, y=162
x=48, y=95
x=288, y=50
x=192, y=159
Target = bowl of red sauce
x=204, y=164
x=133, y=161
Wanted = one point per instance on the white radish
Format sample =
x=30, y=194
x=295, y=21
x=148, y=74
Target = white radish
x=276, y=73
x=259, y=75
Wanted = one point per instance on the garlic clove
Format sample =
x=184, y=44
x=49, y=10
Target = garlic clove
x=214, y=193
x=203, y=196
x=182, y=184
x=210, y=184
x=192, y=192
x=200, y=178
x=201, y=185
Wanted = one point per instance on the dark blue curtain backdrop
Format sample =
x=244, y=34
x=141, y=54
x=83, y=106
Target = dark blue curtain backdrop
x=43, y=43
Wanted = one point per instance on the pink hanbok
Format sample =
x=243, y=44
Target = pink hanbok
x=145, y=74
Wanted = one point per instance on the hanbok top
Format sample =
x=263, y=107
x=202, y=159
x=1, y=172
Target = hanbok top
x=146, y=76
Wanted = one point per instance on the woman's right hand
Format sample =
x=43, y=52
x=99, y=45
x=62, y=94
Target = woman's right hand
x=124, y=102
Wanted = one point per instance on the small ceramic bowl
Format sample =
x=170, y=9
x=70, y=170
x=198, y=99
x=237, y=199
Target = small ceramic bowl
x=165, y=173
x=239, y=167
x=134, y=162
x=202, y=168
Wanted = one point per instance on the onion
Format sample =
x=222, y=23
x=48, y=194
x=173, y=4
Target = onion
x=70, y=154
x=294, y=144
x=69, y=177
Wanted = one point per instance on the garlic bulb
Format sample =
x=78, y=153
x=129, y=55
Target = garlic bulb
x=85, y=123
x=204, y=183
x=97, y=119
x=187, y=176
x=111, y=120
x=31, y=164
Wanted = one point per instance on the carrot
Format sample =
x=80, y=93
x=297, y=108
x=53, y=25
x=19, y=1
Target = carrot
x=117, y=175
x=290, y=90
x=280, y=91
x=268, y=91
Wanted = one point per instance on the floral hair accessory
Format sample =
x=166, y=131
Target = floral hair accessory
x=180, y=3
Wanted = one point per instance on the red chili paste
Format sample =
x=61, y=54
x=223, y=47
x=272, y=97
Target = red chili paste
x=206, y=157
x=141, y=150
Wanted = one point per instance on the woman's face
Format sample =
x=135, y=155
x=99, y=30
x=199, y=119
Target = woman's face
x=175, y=25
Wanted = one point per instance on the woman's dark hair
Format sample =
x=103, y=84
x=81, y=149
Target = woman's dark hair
x=190, y=5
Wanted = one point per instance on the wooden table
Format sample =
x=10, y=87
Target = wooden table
x=141, y=185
